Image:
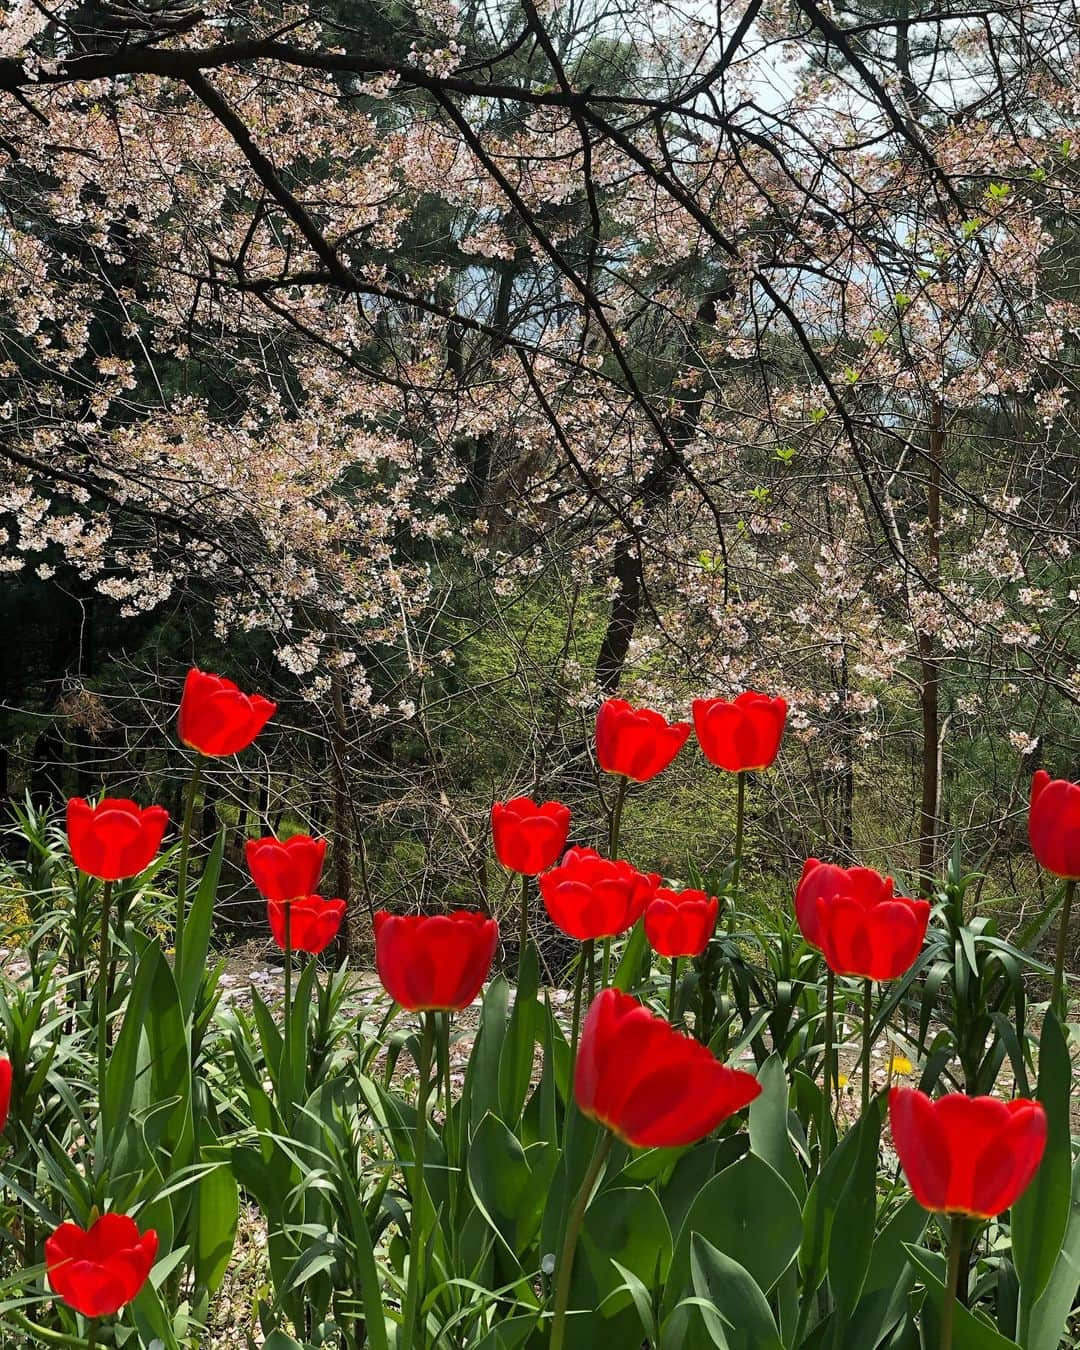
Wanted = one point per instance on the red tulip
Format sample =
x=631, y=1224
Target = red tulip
x=313, y=922
x=873, y=939
x=216, y=719
x=529, y=838
x=966, y=1155
x=636, y=742
x=680, y=923
x=5, y=1090
x=649, y=1084
x=436, y=963
x=115, y=838
x=744, y=734
x=285, y=869
x=592, y=897
x=97, y=1271
x=825, y=881
x=1054, y=824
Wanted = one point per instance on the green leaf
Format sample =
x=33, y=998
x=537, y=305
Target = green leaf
x=888, y=1257
x=739, y=1318
x=124, y=1060
x=165, y=1092
x=295, y=1079
x=856, y=1215
x=636, y=952
x=819, y=1212
x=639, y=1292
x=694, y=1169
x=508, y=1335
x=499, y=1179
x=516, y=1057
x=1050, y=1314
x=769, y=1137
x=969, y=1331
x=197, y=927
x=150, y=1316
x=481, y=1093
x=365, y=1271
x=624, y=1229
x=1041, y=1215
x=747, y=1211
x=217, y=1209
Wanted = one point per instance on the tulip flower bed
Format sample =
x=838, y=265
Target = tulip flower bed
x=669, y=1166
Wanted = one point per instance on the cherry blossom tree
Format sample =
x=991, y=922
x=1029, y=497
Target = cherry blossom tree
x=739, y=344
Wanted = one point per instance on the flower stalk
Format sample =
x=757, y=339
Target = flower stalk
x=565, y=1267
x=952, y=1282
x=412, y=1335
x=1059, y=999
x=103, y=986
x=182, y=865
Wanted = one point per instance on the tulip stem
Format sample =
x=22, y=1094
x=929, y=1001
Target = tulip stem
x=615, y=822
x=575, y=1029
x=287, y=1075
x=1059, y=999
x=182, y=865
x=868, y=991
x=825, y=1129
x=523, y=932
x=416, y=1224
x=606, y=970
x=740, y=817
x=573, y=1229
x=674, y=991
x=49, y=1337
x=590, y=950
x=103, y=988
x=952, y=1281
x=443, y=1052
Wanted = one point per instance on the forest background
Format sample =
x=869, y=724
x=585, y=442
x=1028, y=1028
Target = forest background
x=440, y=370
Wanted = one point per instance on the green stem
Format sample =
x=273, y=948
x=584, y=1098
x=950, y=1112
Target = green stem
x=573, y=1229
x=182, y=866
x=825, y=1129
x=1059, y=999
x=103, y=988
x=740, y=818
x=673, y=993
x=616, y=816
x=590, y=951
x=443, y=1051
x=416, y=1221
x=868, y=990
x=575, y=1028
x=952, y=1280
x=287, y=1080
x=48, y=1337
x=605, y=975
x=91, y=1335
x=523, y=932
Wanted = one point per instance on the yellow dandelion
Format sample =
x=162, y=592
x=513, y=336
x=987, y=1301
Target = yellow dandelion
x=841, y=1080
x=900, y=1064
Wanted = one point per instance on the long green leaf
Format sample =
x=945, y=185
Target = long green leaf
x=197, y=927
x=1050, y=1314
x=1041, y=1215
x=217, y=1209
x=739, y=1317
x=969, y=1332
